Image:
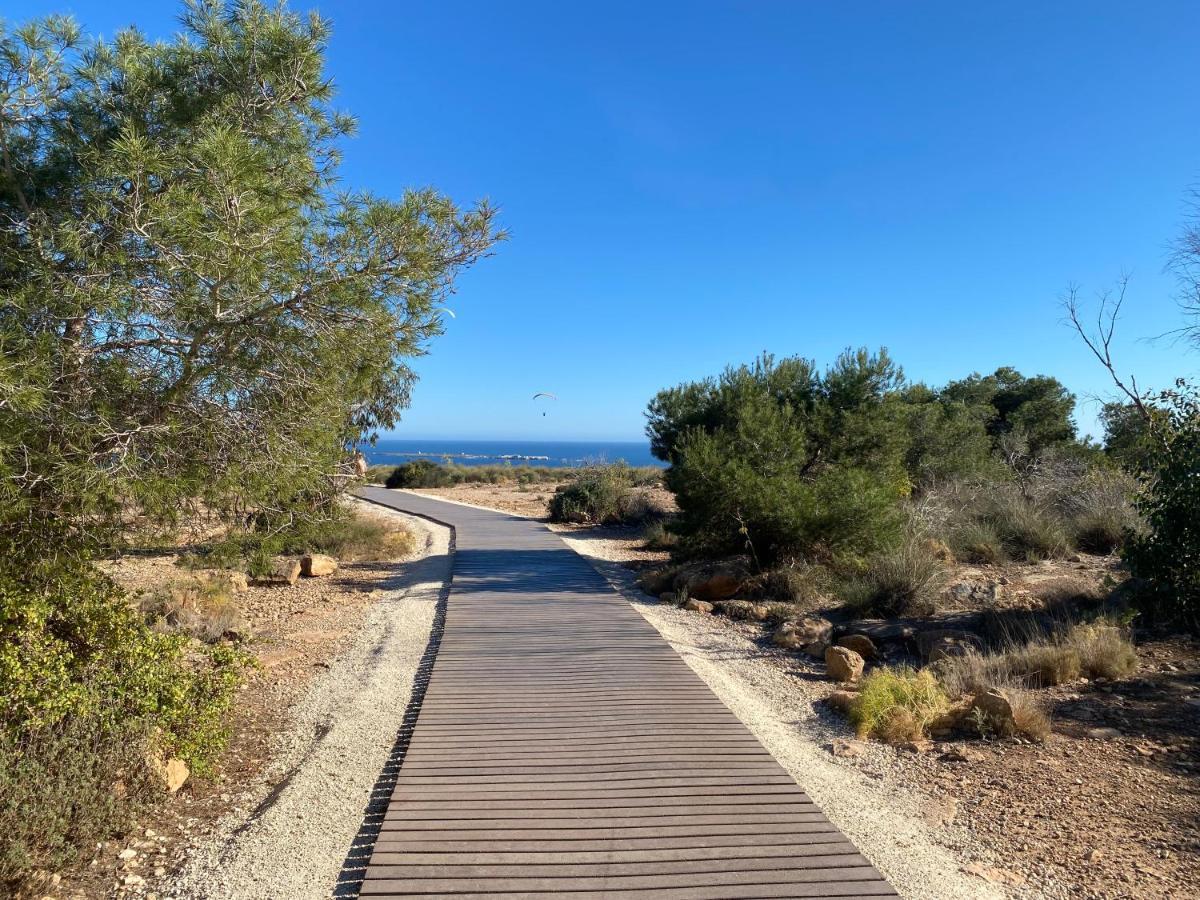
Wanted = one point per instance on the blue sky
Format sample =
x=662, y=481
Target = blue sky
x=689, y=184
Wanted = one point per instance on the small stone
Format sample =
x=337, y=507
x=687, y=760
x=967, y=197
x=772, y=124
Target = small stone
x=960, y=755
x=1094, y=855
x=1103, y=734
x=700, y=606
x=127, y=853
x=845, y=748
x=132, y=880
x=919, y=746
x=841, y=700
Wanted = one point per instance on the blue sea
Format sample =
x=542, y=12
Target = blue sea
x=394, y=451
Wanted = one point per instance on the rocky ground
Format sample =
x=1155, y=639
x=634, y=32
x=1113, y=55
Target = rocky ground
x=295, y=730
x=1107, y=807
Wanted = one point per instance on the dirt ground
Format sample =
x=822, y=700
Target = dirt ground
x=293, y=633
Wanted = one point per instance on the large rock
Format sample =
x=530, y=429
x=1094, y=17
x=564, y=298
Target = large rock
x=810, y=634
x=742, y=609
x=700, y=606
x=860, y=644
x=713, y=586
x=316, y=565
x=843, y=665
x=283, y=571
x=996, y=707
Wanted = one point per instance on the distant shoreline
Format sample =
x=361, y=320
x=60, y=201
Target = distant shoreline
x=549, y=454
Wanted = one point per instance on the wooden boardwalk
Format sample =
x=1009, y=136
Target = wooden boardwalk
x=564, y=749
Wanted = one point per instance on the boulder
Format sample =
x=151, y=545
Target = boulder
x=283, y=571
x=996, y=706
x=810, y=634
x=742, y=609
x=843, y=665
x=316, y=565
x=713, y=586
x=975, y=593
x=700, y=606
x=860, y=644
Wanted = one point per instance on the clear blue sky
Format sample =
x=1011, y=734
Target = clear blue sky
x=688, y=184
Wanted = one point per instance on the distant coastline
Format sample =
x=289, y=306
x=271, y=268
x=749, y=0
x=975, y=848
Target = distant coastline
x=556, y=454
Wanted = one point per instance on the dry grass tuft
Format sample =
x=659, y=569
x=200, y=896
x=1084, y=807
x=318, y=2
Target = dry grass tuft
x=200, y=608
x=899, y=704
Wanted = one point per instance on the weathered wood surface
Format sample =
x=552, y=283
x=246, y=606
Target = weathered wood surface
x=564, y=749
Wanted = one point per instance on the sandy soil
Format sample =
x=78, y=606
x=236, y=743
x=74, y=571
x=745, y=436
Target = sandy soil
x=523, y=500
x=313, y=729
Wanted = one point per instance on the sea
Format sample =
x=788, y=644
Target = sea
x=394, y=451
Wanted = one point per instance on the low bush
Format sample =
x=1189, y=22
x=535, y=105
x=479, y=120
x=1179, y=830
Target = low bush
x=1029, y=717
x=200, y=608
x=898, y=704
x=65, y=787
x=658, y=536
x=87, y=692
x=976, y=542
x=906, y=580
x=420, y=473
x=1027, y=529
x=601, y=494
x=351, y=536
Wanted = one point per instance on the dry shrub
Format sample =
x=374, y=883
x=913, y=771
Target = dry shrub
x=658, y=537
x=356, y=538
x=200, y=608
x=804, y=587
x=898, y=704
x=1104, y=649
x=1029, y=716
x=904, y=581
x=977, y=542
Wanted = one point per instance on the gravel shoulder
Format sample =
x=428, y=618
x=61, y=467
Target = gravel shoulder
x=775, y=698
x=292, y=835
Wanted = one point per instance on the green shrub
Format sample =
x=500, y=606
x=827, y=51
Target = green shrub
x=67, y=786
x=350, y=537
x=420, y=473
x=905, y=580
x=1167, y=554
x=601, y=494
x=898, y=704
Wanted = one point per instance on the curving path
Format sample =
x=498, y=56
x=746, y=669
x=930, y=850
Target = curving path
x=564, y=749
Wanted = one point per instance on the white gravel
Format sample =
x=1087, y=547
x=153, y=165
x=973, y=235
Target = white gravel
x=880, y=816
x=297, y=842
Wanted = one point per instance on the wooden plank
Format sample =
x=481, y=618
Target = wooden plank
x=564, y=749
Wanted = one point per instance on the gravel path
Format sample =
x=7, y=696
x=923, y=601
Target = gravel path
x=882, y=820
x=297, y=843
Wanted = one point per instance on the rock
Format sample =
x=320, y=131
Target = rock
x=132, y=880
x=940, y=643
x=843, y=664
x=995, y=704
x=1094, y=855
x=860, y=644
x=841, y=700
x=700, y=606
x=173, y=772
x=976, y=593
x=127, y=853
x=804, y=633
x=845, y=748
x=939, y=812
x=960, y=755
x=918, y=746
x=742, y=609
x=880, y=631
x=714, y=586
x=657, y=582
x=283, y=571
x=1103, y=734
x=317, y=565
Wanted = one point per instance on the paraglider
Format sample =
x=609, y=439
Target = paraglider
x=544, y=394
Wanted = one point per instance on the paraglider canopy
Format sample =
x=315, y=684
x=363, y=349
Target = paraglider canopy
x=544, y=394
